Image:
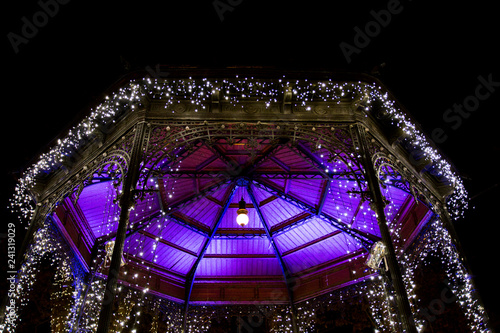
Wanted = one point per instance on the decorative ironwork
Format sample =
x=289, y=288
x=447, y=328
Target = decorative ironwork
x=294, y=156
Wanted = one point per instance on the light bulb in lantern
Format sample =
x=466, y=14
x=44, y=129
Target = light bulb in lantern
x=242, y=218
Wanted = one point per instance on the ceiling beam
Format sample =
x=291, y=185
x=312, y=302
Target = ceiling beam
x=166, y=242
x=214, y=200
x=324, y=193
x=171, y=209
x=366, y=239
x=331, y=263
x=183, y=153
x=187, y=220
x=192, y=273
x=290, y=223
x=282, y=165
x=234, y=232
x=314, y=241
x=287, y=274
x=206, y=162
x=301, y=151
x=267, y=152
x=353, y=219
x=267, y=200
x=244, y=256
x=295, y=174
x=133, y=229
x=231, y=163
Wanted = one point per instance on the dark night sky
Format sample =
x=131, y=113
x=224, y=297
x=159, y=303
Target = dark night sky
x=434, y=55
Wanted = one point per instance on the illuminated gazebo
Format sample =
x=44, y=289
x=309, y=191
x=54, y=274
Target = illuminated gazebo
x=342, y=196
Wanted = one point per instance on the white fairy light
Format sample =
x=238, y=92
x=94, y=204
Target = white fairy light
x=200, y=92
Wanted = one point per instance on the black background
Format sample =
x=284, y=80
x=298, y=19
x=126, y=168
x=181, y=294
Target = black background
x=433, y=55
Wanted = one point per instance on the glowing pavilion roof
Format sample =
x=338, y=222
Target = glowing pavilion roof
x=187, y=224
x=299, y=174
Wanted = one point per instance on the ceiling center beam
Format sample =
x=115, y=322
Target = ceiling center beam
x=301, y=151
x=285, y=270
x=192, y=273
x=324, y=193
x=206, y=162
x=287, y=274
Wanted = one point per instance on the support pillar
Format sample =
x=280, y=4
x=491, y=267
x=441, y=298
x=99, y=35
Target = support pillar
x=89, y=279
x=128, y=187
x=448, y=224
x=293, y=316
x=378, y=204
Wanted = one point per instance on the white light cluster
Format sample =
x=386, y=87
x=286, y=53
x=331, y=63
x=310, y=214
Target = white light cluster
x=457, y=203
x=200, y=92
x=437, y=241
x=278, y=317
x=92, y=306
x=45, y=245
x=169, y=313
x=125, y=98
x=382, y=307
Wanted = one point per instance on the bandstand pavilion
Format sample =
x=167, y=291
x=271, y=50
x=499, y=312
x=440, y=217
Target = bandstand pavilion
x=244, y=200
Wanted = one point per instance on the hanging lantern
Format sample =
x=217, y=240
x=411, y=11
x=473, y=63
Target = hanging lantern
x=109, y=252
x=242, y=218
x=377, y=253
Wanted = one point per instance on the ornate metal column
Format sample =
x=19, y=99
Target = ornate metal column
x=378, y=204
x=93, y=269
x=128, y=187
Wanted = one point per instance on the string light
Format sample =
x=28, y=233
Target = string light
x=68, y=278
x=200, y=92
x=434, y=240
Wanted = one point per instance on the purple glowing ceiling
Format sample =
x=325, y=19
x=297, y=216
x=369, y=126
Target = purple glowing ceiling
x=305, y=209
